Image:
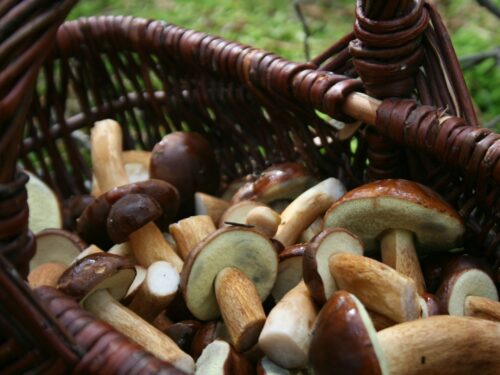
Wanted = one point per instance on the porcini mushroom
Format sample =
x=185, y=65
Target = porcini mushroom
x=98, y=281
x=306, y=208
x=344, y=340
x=238, y=212
x=286, y=336
x=148, y=243
x=401, y=214
x=379, y=287
x=316, y=271
x=230, y=272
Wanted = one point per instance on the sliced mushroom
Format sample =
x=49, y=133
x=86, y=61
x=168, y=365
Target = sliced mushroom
x=187, y=161
x=306, y=208
x=379, y=287
x=399, y=213
x=101, y=279
x=286, y=336
x=344, y=340
x=316, y=271
x=188, y=232
x=206, y=204
x=56, y=245
x=156, y=292
x=148, y=243
x=285, y=181
x=219, y=358
x=289, y=270
x=231, y=272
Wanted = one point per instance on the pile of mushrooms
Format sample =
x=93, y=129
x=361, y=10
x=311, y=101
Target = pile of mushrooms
x=281, y=274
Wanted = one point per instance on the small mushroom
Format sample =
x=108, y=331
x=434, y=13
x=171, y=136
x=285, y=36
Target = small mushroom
x=286, y=336
x=264, y=220
x=285, y=181
x=188, y=232
x=101, y=279
x=289, y=270
x=401, y=214
x=379, y=287
x=231, y=272
x=219, y=358
x=344, y=340
x=464, y=282
x=148, y=243
x=187, y=161
x=306, y=208
x=238, y=212
x=56, y=245
x=317, y=276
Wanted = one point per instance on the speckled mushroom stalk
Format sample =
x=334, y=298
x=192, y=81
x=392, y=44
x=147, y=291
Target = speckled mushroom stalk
x=148, y=243
x=399, y=214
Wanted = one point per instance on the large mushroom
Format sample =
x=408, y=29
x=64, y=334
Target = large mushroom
x=98, y=281
x=399, y=214
x=230, y=272
x=148, y=243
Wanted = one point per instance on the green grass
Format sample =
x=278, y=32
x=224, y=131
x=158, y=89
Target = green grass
x=273, y=26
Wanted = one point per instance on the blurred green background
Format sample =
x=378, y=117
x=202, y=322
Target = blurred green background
x=273, y=25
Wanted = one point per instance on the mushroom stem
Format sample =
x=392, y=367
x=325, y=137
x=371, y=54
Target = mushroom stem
x=240, y=306
x=156, y=292
x=379, y=287
x=264, y=219
x=442, y=344
x=148, y=243
x=206, y=204
x=189, y=231
x=398, y=252
x=287, y=334
x=106, y=308
x=483, y=308
x=46, y=274
x=306, y=208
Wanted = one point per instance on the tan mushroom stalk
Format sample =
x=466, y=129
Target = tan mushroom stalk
x=483, y=308
x=98, y=281
x=442, y=345
x=306, y=208
x=206, y=204
x=379, y=287
x=264, y=219
x=230, y=272
x=286, y=336
x=401, y=214
x=156, y=292
x=188, y=232
x=46, y=274
x=148, y=243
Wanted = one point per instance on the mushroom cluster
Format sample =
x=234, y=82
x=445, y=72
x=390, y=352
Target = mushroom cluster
x=281, y=273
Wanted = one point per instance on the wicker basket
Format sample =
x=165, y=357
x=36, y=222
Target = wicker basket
x=254, y=107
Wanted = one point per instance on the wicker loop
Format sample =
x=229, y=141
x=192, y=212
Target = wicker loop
x=336, y=95
x=388, y=53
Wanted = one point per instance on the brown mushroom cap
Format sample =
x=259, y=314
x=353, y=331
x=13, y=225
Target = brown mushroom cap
x=92, y=224
x=397, y=204
x=344, y=340
x=95, y=272
x=241, y=248
x=130, y=213
x=316, y=272
x=280, y=181
x=187, y=161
